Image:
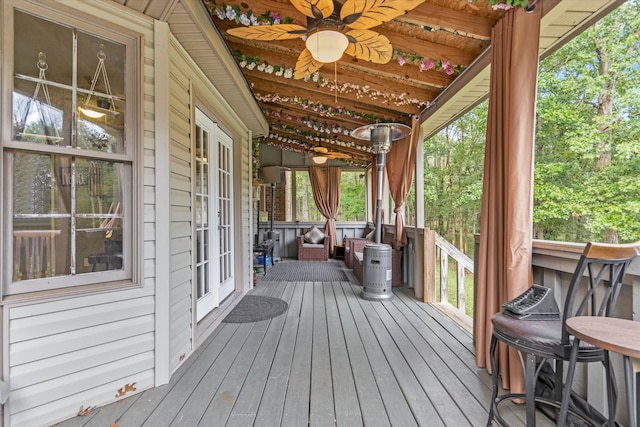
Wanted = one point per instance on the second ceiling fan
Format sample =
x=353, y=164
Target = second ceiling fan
x=320, y=155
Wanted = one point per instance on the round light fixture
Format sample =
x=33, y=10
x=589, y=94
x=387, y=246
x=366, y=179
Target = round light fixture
x=91, y=113
x=319, y=160
x=327, y=45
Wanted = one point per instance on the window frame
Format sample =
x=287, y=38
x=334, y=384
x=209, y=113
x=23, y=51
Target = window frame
x=292, y=194
x=131, y=222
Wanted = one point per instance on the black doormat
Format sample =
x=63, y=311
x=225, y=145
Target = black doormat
x=253, y=308
x=306, y=271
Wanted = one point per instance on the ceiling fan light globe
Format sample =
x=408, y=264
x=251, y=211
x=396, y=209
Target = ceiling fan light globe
x=327, y=45
x=319, y=160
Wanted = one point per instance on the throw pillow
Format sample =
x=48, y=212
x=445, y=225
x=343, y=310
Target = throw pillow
x=314, y=235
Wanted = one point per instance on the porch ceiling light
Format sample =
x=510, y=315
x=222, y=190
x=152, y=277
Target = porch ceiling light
x=92, y=114
x=319, y=160
x=327, y=45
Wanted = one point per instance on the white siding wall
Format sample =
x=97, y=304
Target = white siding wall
x=244, y=250
x=181, y=297
x=188, y=86
x=66, y=352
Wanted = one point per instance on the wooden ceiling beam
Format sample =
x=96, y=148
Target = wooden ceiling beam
x=307, y=134
x=286, y=52
x=356, y=155
x=347, y=146
x=390, y=78
x=299, y=117
x=263, y=86
x=465, y=23
x=408, y=44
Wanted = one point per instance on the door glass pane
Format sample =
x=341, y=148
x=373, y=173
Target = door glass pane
x=205, y=179
x=200, y=279
x=205, y=211
x=206, y=246
x=199, y=246
x=207, y=282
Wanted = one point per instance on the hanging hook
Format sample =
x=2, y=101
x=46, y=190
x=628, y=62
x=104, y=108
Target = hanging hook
x=101, y=55
x=42, y=61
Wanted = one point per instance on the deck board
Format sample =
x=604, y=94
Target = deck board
x=296, y=405
x=322, y=411
x=332, y=359
x=346, y=399
x=370, y=402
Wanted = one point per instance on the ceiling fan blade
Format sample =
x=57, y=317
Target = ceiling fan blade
x=364, y=14
x=320, y=149
x=336, y=155
x=370, y=46
x=306, y=65
x=316, y=9
x=269, y=32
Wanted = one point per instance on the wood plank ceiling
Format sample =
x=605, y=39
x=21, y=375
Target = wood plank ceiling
x=432, y=44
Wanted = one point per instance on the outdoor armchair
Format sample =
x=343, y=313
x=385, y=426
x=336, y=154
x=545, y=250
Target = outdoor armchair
x=313, y=245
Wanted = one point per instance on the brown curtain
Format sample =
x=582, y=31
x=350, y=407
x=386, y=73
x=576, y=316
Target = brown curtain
x=504, y=267
x=325, y=182
x=401, y=163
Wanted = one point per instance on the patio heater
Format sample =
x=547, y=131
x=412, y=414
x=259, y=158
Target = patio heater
x=377, y=257
x=272, y=175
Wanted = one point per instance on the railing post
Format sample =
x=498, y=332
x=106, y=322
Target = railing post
x=444, y=276
x=461, y=291
x=429, y=265
x=476, y=258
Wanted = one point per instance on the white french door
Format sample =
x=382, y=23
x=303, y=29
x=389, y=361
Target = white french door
x=213, y=215
x=225, y=214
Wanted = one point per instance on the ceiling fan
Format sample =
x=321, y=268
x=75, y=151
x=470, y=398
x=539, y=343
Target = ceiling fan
x=320, y=155
x=326, y=20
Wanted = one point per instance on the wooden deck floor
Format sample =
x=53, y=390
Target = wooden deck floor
x=332, y=359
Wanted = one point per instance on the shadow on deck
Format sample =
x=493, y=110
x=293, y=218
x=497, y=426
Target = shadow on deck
x=331, y=359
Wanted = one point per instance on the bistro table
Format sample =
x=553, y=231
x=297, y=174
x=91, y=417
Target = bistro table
x=266, y=249
x=611, y=334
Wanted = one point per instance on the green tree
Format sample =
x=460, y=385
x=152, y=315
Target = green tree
x=587, y=137
x=352, y=200
x=453, y=178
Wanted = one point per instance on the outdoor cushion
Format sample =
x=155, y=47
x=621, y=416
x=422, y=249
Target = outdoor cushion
x=314, y=236
x=313, y=245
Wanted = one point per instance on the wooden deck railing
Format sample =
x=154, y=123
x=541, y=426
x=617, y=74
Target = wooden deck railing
x=464, y=266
